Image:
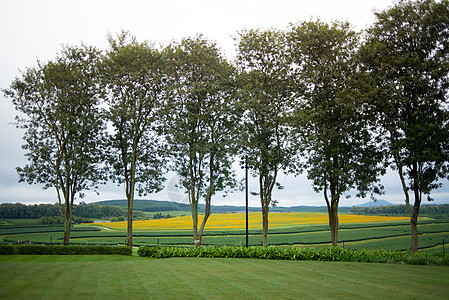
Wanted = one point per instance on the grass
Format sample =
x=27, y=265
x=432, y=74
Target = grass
x=388, y=235
x=118, y=277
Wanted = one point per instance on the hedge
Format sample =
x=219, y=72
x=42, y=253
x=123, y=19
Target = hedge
x=293, y=253
x=64, y=250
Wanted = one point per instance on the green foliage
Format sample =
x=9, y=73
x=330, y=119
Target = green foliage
x=337, y=133
x=63, y=250
x=59, y=102
x=291, y=253
x=51, y=220
x=133, y=74
x=265, y=98
x=35, y=211
x=134, y=78
x=200, y=122
x=406, y=62
x=435, y=211
x=161, y=216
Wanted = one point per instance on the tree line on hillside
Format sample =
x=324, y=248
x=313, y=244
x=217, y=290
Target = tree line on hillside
x=36, y=211
x=441, y=211
x=316, y=97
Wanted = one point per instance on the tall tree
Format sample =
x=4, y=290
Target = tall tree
x=407, y=58
x=265, y=100
x=331, y=115
x=59, y=102
x=200, y=122
x=135, y=77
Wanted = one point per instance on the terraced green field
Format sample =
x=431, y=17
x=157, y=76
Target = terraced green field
x=378, y=235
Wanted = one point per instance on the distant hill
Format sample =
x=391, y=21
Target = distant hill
x=148, y=205
x=157, y=206
x=375, y=204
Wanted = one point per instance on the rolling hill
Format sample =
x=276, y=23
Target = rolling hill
x=158, y=206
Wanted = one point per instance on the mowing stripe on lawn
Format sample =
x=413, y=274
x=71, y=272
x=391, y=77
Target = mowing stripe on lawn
x=118, y=277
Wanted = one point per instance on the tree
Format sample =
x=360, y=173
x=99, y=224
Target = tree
x=200, y=122
x=59, y=102
x=135, y=77
x=407, y=57
x=266, y=100
x=332, y=117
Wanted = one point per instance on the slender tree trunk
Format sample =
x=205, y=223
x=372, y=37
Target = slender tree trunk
x=194, y=208
x=265, y=210
x=67, y=224
x=207, y=213
x=68, y=218
x=130, y=183
x=129, y=231
x=333, y=222
x=332, y=210
x=413, y=213
x=414, y=217
x=414, y=226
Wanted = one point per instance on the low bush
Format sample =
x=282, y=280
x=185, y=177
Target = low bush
x=63, y=250
x=292, y=253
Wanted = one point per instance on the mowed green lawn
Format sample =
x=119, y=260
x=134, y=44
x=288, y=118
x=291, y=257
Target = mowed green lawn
x=120, y=277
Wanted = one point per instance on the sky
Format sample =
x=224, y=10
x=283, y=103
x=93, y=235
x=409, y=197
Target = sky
x=35, y=30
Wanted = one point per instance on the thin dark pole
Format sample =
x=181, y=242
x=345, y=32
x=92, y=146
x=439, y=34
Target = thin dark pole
x=246, y=190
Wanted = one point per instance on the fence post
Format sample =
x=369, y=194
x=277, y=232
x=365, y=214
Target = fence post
x=443, y=246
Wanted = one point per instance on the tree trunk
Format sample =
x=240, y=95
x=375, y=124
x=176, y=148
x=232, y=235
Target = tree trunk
x=67, y=219
x=414, y=218
x=67, y=227
x=332, y=210
x=129, y=232
x=265, y=209
x=333, y=223
x=207, y=213
x=414, y=225
x=194, y=208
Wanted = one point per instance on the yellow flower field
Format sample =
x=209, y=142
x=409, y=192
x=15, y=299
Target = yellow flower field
x=238, y=221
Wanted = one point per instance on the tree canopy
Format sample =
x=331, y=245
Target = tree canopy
x=331, y=115
x=59, y=102
x=200, y=121
x=135, y=79
x=407, y=57
x=265, y=100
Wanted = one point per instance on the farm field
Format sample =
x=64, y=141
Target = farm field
x=237, y=221
x=286, y=229
x=121, y=277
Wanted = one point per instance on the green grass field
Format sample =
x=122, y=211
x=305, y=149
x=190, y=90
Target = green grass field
x=120, y=277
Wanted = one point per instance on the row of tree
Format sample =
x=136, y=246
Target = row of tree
x=439, y=211
x=36, y=211
x=316, y=96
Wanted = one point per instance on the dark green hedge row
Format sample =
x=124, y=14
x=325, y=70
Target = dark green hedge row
x=292, y=253
x=64, y=250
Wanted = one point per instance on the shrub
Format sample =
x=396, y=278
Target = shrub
x=51, y=221
x=64, y=250
x=7, y=250
x=292, y=253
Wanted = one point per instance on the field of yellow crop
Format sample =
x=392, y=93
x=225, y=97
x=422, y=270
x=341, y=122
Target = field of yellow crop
x=238, y=221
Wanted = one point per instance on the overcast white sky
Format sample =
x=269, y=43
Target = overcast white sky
x=31, y=30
